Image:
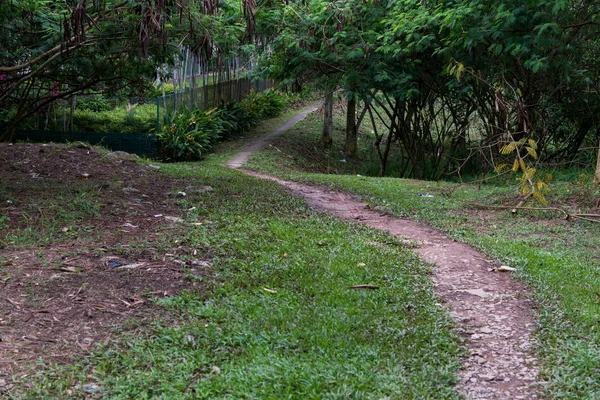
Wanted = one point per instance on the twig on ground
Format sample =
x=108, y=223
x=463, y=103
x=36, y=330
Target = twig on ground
x=567, y=216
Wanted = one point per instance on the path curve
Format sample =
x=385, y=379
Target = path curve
x=242, y=157
x=492, y=310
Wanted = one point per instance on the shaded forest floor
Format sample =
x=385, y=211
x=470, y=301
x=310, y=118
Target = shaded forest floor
x=88, y=240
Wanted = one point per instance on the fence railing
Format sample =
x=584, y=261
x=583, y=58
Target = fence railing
x=208, y=96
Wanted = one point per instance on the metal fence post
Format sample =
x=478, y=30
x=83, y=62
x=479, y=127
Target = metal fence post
x=157, y=114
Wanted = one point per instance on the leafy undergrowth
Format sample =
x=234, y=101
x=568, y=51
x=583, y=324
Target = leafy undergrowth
x=281, y=319
x=558, y=259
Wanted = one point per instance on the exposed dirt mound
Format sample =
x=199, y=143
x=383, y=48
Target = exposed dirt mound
x=87, y=241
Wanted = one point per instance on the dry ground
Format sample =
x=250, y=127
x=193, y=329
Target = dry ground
x=85, y=248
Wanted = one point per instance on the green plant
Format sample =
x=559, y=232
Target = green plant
x=240, y=120
x=263, y=105
x=189, y=134
x=94, y=102
x=531, y=185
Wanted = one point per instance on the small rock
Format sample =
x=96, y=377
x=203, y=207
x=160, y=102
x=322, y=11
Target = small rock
x=488, y=377
x=81, y=145
x=478, y=292
x=129, y=190
x=506, y=268
x=120, y=156
x=152, y=166
x=91, y=388
x=199, y=189
x=181, y=194
x=201, y=263
x=383, y=209
x=486, y=329
x=189, y=339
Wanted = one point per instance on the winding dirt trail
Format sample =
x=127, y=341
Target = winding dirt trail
x=492, y=310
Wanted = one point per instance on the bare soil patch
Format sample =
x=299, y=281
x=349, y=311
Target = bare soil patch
x=84, y=249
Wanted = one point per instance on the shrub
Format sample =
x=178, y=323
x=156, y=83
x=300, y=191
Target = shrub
x=263, y=105
x=188, y=134
x=94, y=102
x=239, y=120
x=142, y=119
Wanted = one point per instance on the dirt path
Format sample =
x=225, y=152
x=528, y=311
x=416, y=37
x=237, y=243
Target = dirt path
x=242, y=157
x=491, y=309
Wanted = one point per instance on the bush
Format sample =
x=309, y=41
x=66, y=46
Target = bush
x=188, y=134
x=239, y=120
x=263, y=105
x=94, y=102
x=142, y=119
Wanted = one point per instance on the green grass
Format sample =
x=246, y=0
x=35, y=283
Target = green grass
x=50, y=213
x=557, y=259
x=280, y=319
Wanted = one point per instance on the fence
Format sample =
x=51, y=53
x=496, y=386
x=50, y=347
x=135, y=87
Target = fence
x=208, y=96
x=136, y=143
x=147, y=144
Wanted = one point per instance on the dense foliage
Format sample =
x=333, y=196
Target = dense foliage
x=52, y=50
x=453, y=80
x=190, y=134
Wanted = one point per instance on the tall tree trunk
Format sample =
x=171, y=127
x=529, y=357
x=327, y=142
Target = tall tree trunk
x=597, y=175
x=351, y=145
x=327, y=134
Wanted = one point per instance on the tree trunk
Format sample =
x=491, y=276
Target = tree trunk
x=597, y=176
x=351, y=145
x=327, y=134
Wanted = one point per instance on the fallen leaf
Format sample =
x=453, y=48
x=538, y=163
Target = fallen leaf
x=506, y=268
x=269, y=290
x=361, y=264
x=132, y=266
x=68, y=269
x=365, y=287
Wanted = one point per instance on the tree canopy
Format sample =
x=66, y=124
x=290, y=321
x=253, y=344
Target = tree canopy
x=53, y=49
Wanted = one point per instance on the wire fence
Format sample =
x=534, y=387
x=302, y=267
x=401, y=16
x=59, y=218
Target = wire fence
x=208, y=96
x=144, y=144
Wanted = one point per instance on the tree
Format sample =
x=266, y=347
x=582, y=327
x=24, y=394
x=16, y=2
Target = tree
x=54, y=50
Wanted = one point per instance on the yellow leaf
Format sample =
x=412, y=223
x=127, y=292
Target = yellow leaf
x=532, y=144
x=531, y=152
x=549, y=177
x=509, y=148
x=515, y=167
x=522, y=165
x=540, y=197
x=529, y=172
x=500, y=168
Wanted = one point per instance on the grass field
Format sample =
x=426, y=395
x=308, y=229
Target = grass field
x=558, y=259
x=275, y=315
